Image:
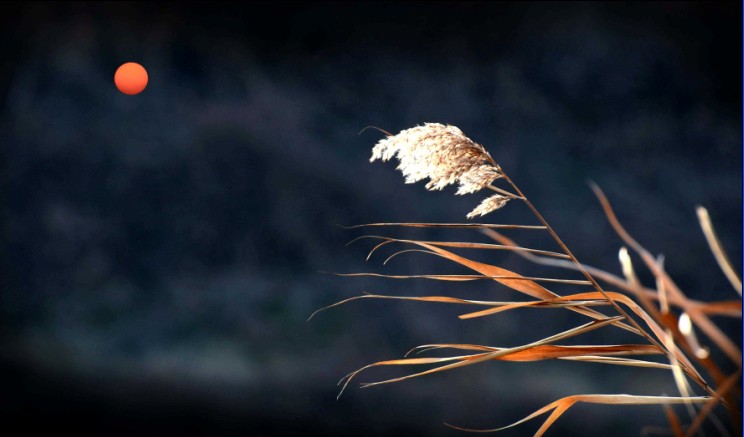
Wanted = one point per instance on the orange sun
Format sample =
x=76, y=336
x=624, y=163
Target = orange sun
x=131, y=78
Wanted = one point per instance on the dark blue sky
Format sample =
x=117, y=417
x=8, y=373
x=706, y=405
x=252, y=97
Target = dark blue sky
x=161, y=252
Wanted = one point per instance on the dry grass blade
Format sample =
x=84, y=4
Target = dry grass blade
x=661, y=289
x=561, y=405
x=627, y=266
x=473, y=359
x=436, y=346
x=679, y=378
x=502, y=191
x=533, y=304
x=673, y=421
x=405, y=362
x=685, y=327
x=377, y=129
x=620, y=361
x=456, y=278
x=546, y=352
x=401, y=252
x=461, y=278
x=442, y=299
x=730, y=308
x=465, y=245
x=445, y=299
x=519, y=283
x=450, y=225
x=717, y=249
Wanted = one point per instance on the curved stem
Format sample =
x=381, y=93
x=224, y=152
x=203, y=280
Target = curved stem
x=504, y=192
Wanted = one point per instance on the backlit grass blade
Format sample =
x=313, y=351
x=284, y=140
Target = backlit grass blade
x=450, y=225
x=560, y=406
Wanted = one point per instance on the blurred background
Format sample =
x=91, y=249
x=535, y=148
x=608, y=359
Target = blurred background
x=162, y=252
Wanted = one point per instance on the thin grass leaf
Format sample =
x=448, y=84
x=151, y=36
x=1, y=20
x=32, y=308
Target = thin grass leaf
x=685, y=327
x=450, y=225
x=428, y=347
x=661, y=289
x=561, y=405
x=369, y=255
x=506, y=277
x=715, y=246
x=464, y=245
x=679, y=377
x=376, y=128
x=673, y=421
x=442, y=299
x=504, y=192
x=487, y=246
x=547, y=352
x=455, y=278
x=627, y=265
x=539, y=304
x=620, y=361
x=454, y=300
x=405, y=362
x=463, y=277
x=730, y=308
x=400, y=252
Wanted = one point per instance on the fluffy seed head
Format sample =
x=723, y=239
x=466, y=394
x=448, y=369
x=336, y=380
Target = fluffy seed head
x=446, y=156
x=489, y=204
x=441, y=153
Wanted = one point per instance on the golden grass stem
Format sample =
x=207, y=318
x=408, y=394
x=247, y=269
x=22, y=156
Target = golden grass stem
x=448, y=225
x=466, y=277
x=502, y=191
x=717, y=248
x=461, y=244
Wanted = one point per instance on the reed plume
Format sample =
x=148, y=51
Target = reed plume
x=444, y=155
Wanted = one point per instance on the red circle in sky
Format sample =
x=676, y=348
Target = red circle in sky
x=131, y=78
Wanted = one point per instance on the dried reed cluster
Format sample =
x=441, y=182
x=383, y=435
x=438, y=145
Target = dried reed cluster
x=446, y=156
x=661, y=315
